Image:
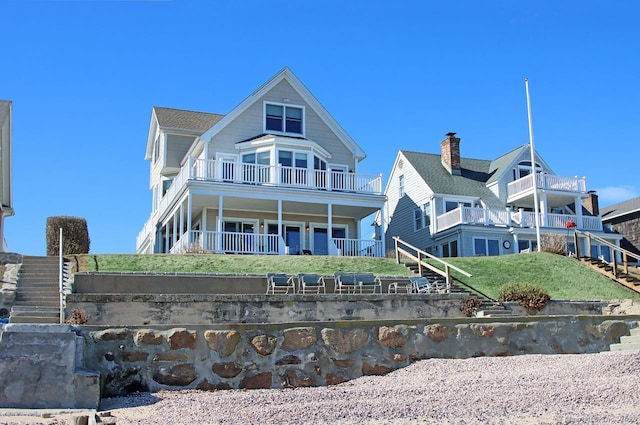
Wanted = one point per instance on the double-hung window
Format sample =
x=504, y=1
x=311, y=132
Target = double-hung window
x=284, y=119
x=422, y=216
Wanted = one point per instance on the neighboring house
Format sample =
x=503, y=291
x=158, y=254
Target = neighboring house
x=450, y=206
x=6, y=196
x=624, y=218
x=276, y=175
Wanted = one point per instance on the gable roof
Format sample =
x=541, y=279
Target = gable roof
x=505, y=161
x=185, y=120
x=286, y=74
x=622, y=208
x=472, y=182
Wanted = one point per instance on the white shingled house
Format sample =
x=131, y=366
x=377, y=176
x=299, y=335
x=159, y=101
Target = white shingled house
x=275, y=175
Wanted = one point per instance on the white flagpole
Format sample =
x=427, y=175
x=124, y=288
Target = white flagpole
x=533, y=169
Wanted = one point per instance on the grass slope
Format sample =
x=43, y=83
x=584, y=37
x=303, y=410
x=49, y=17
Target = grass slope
x=562, y=277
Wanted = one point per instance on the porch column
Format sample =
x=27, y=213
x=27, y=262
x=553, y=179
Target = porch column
x=382, y=237
x=578, y=204
x=330, y=244
x=167, y=237
x=281, y=250
x=180, y=235
x=219, y=225
x=543, y=210
x=433, y=226
x=189, y=213
x=175, y=229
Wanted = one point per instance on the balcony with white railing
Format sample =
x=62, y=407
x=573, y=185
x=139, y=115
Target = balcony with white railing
x=523, y=187
x=473, y=215
x=282, y=176
x=505, y=218
x=556, y=221
x=252, y=243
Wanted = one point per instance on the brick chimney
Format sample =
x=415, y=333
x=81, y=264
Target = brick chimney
x=450, y=154
x=591, y=203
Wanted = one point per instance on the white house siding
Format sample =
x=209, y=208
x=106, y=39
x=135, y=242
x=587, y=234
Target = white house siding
x=466, y=243
x=400, y=213
x=251, y=124
x=177, y=147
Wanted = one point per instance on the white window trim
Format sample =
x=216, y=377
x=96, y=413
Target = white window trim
x=284, y=105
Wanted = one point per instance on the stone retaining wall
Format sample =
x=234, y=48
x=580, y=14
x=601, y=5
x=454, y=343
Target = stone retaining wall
x=323, y=353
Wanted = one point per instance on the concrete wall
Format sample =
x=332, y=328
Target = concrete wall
x=322, y=353
x=41, y=367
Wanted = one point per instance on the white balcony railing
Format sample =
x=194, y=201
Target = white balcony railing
x=279, y=175
x=548, y=182
x=251, y=243
x=556, y=221
x=488, y=217
x=472, y=215
x=358, y=247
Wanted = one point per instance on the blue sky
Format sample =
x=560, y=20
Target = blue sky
x=84, y=75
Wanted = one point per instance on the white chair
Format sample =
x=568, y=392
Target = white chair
x=311, y=283
x=280, y=283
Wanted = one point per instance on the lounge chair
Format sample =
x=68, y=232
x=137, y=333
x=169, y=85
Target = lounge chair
x=280, y=283
x=398, y=287
x=422, y=285
x=344, y=282
x=311, y=283
x=366, y=281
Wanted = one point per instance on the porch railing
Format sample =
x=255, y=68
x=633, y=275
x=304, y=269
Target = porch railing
x=558, y=221
x=229, y=242
x=358, y=247
x=547, y=181
x=279, y=175
x=472, y=215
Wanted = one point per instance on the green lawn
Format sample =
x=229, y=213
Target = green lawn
x=562, y=277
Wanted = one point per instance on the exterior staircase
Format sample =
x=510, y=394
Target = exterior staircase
x=630, y=280
x=37, y=295
x=628, y=342
x=487, y=308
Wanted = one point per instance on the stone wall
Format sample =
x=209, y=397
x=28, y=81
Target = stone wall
x=166, y=309
x=10, y=263
x=249, y=356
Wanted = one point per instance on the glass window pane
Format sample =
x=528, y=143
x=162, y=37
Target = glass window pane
x=274, y=124
x=301, y=160
x=417, y=218
x=445, y=250
x=284, y=158
x=480, y=246
x=454, y=248
x=427, y=214
x=494, y=246
x=264, y=158
x=249, y=158
x=450, y=205
x=295, y=113
x=274, y=111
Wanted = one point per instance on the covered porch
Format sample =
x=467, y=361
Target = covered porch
x=241, y=219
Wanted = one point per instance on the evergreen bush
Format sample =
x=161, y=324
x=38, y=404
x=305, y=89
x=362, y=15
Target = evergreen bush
x=75, y=235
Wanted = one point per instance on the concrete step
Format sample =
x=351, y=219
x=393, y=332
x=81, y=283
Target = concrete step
x=629, y=346
x=35, y=319
x=629, y=339
x=493, y=313
x=635, y=331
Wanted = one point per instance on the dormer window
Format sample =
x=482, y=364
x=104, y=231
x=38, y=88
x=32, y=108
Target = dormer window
x=284, y=119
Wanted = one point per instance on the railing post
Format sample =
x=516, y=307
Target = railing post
x=589, y=244
x=615, y=265
x=624, y=261
x=420, y=263
x=61, y=278
x=397, y=252
x=448, y=277
x=575, y=242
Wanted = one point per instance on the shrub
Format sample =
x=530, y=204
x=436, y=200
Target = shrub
x=78, y=317
x=470, y=305
x=528, y=296
x=555, y=243
x=75, y=235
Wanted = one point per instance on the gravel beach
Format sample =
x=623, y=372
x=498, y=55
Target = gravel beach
x=530, y=389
